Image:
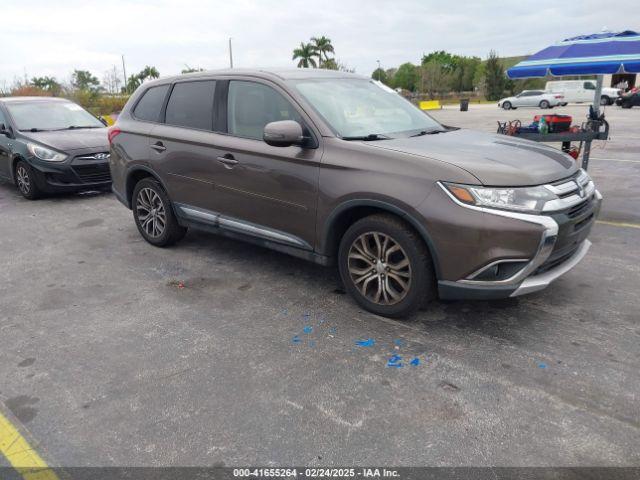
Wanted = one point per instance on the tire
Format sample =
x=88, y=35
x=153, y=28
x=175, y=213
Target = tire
x=506, y=105
x=626, y=105
x=544, y=104
x=25, y=181
x=605, y=100
x=370, y=236
x=149, y=196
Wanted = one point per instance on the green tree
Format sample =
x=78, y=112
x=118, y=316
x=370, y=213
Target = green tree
x=494, y=77
x=85, y=81
x=435, y=78
x=381, y=75
x=147, y=73
x=305, y=53
x=323, y=47
x=406, y=77
x=49, y=84
x=446, y=60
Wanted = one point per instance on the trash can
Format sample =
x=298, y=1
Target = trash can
x=464, y=104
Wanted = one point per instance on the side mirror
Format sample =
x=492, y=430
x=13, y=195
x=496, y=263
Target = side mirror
x=4, y=131
x=283, y=133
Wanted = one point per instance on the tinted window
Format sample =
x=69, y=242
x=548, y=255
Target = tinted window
x=589, y=86
x=191, y=105
x=150, y=105
x=252, y=105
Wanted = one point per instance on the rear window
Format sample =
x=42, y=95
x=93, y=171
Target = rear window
x=150, y=105
x=191, y=105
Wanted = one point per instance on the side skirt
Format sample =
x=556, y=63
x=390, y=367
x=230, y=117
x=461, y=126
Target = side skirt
x=213, y=222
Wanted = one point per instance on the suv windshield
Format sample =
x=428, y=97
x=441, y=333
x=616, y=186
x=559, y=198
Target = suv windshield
x=43, y=115
x=360, y=108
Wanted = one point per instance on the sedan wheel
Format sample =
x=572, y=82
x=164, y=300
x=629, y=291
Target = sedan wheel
x=506, y=105
x=25, y=181
x=544, y=104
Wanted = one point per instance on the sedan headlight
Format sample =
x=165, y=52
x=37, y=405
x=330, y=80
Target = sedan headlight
x=46, y=154
x=521, y=199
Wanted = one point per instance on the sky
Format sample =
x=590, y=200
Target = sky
x=54, y=37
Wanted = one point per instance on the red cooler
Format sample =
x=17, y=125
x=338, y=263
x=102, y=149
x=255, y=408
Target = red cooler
x=557, y=123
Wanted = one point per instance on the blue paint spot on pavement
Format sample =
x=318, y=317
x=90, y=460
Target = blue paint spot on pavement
x=333, y=330
x=415, y=362
x=542, y=365
x=369, y=342
x=398, y=342
x=295, y=339
x=395, y=361
x=307, y=329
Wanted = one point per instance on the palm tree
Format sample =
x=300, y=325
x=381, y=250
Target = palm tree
x=305, y=53
x=323, y=47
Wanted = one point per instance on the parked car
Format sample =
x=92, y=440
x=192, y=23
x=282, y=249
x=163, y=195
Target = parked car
x=630, y=99
x=531, y=98
x=582, y=91
x=332, y=168
x=52, y=145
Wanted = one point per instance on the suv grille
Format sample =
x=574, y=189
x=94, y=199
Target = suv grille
x=93, y=173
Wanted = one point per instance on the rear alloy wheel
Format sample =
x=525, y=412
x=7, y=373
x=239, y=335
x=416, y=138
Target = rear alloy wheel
x=25, y=181
x=386, y=267
x=544, y=104
x=506, y=105
x=154, y=216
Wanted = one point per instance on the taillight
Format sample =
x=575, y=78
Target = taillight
x=559, y=96
x=113, y=133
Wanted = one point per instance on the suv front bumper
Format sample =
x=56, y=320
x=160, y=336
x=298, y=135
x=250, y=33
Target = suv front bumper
x=563, y=243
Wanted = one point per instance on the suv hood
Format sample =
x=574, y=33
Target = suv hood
x=68, y=140
x=495, y=160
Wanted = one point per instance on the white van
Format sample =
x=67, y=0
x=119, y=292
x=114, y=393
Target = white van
x=578, y=91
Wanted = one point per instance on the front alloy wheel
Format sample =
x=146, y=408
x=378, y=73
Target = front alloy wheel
x=385, y=265
x=25, y=181
x=379, y=267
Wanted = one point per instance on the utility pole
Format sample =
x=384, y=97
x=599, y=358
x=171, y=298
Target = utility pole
x=379, y=71
x=230, y=54
x=124, y=71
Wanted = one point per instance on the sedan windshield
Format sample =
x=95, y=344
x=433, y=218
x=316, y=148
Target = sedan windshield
x=43, y=115
x=361, y=109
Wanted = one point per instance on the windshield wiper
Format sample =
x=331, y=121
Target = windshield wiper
x=428, y=132
x=78, y=127
x=34, y=129
x=368, y=138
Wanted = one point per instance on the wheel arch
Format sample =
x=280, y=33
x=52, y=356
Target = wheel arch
x=345, y=214
x=134, y=175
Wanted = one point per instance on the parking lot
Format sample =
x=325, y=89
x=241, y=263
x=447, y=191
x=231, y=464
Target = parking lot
x=215, y=352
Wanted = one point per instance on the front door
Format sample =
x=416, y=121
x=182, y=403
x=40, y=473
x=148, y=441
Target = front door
x=262, y=185
x=5, y=149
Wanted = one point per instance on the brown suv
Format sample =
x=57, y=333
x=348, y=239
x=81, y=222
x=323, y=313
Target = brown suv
x=333, y=167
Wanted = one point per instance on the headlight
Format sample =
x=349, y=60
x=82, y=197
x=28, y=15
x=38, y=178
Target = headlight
x=45, y=153
x=521, y=199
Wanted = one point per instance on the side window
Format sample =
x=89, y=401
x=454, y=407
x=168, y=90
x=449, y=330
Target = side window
x=252, y=105
x=150, y=105
x=191, y=105
x=589, y=86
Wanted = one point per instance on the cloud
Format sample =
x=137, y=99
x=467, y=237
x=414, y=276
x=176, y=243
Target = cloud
x=52, y=38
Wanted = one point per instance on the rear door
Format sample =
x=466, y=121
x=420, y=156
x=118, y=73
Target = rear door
x=262, y=185
x=183, y=145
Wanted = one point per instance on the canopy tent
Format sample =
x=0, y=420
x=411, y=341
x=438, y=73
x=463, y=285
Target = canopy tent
x=597, y=54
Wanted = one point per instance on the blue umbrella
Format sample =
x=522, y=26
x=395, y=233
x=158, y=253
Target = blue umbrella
x=597, y=54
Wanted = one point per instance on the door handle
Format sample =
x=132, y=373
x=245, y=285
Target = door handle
x=158, y=147
x=228, y=161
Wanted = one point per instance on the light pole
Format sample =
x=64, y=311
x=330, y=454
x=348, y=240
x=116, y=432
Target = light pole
x=230, y=54
x=379, y=71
